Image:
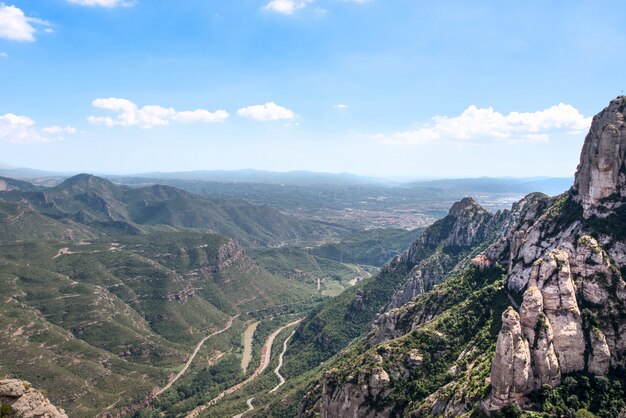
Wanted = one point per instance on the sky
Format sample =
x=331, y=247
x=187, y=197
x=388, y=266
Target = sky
x=386, y=88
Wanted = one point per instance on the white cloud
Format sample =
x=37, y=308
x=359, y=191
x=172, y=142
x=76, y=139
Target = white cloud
x=22, y=129
x=101, y=3
x=341, y=106
x=485, y=124
x=200, y=115
x=4, y=55
x=16, y=26
x=129, y=114
x=266, y=112
x=286, y=7
x=57, y=130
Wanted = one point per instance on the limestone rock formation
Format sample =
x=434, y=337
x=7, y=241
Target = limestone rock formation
x=566, y=257
x=551, y=325
x=600, y=183
x=516, y=223
x=229, y=254
x=26, y=402
x=552, y=276
x=540, y=337
x=600, y=356
x=435, y=252
x=511, y=372
x=470, y=224
x=352, y=399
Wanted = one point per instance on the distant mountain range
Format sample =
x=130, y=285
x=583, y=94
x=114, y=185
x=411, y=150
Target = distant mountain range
x=548, y=185
x=86, y=201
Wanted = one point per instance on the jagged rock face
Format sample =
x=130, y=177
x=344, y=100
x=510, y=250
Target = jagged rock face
x=470, y=225
x=26, y=402
x=600, y=183
x=540, y=337
x=552, y=276
x=352, y=399
x=551, y=325
x=600, y=356
x=511, y=372
x=466, y=225
x=413, y=286
x=600, y=284
x=229, y=254
x=551, y=321
x=422, y=278
x=516, y=222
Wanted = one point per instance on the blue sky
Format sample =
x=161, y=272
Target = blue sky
x=389, y=88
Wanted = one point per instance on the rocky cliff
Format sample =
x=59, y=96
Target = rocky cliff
x=442, y=245
x=562, y=267
x=548, y=289
x=600, y=185
x=20, y=400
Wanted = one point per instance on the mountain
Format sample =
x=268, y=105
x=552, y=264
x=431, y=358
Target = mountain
x=29, y=173
x=8, y=184
x=113, y=209
x=20, y=399
x=373, y=247
x=20, y=221
x=91, y=320
x=301, y=178
x=528, y=319
x=547, y=185
x=337, y=322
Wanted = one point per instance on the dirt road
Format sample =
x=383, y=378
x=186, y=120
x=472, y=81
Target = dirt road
x=266, y=355
x=193, y=355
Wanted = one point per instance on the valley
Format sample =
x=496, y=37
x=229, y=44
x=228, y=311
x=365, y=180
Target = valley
x=312, y=209
x=156, y=308
x=182, y=321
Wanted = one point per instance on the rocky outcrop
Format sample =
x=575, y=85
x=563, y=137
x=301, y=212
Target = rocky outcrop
x=422, y=278
x=565, y=258
x=470, y=223
x=515, y=224
x=26, y=402
x=540, y=337
x=600, y=183
x=228, y=255
x=359, y=302
x=600, y=356
x=442, y=246
x=551, y=325
x=182, y=295
x=511, y=371
x=551, y=274
x=354, y=398
x=466, y=223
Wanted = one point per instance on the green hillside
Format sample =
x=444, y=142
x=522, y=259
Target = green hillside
x=373, y=247
x=121, y=210
x=119, y=316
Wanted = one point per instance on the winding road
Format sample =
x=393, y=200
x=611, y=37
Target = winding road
x=193, y=355
x=250, y=408
x=280, y=364
x=266, y=355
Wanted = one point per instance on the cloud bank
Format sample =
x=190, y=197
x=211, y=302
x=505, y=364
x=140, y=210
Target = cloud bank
x=288, y=7
x=22, y=129
x=485, y=124
x=16, y=26
x=101, y=3
x=266, y=112
x=129, y=114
